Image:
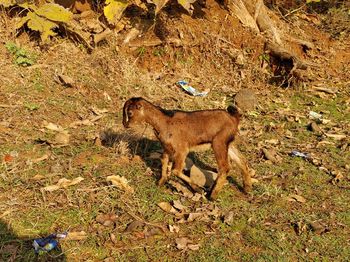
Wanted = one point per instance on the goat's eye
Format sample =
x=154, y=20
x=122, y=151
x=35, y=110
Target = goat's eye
x=129, y=114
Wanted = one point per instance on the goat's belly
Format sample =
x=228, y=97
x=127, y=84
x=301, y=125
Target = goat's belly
x=201, y=147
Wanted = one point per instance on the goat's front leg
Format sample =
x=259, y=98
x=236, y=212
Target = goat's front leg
x=179, y=164
x=166, y=168
x=242, y=164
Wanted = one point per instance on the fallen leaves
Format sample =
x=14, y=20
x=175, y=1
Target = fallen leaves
x=174, y=229
x=76, y=236
x=107, y=220
x=64, y=80
x=61, y=138
x=165, y=206
x=184, y=243
x=63, y=183
x=121, y=183
x=134, y=225
x=271, y=155
x=296, y=198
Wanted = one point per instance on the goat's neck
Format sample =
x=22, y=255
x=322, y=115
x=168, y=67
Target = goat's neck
x=155, y=117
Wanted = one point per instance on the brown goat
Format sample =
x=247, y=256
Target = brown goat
x=181, y=132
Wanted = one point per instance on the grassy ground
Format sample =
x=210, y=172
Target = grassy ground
x=298, y=209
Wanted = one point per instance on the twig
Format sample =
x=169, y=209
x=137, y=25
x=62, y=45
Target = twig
x=145, y=222
x=95, y=189
x=293, y=11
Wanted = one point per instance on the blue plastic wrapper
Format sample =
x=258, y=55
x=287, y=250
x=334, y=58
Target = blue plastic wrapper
x=191, y=90
x=48, y=243
x=299, y=154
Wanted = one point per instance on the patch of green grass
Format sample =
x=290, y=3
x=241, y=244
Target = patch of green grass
x=21, y=56
x=31, y=106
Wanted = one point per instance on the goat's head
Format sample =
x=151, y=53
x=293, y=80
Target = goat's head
x=133, y=111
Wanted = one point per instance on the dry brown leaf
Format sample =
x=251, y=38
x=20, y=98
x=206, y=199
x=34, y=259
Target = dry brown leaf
x=318, y=227
x=78, y=235
x=37, y=177
x=106, y=219
x=113, y=238
x=165, y=206
x=193, y=247
x=194, y=216
x=153, y=232
x=338, y=176
x=64, y=80
x=182, y=242
x=336, y=136
x=295, y=197
x=214, y=212
x=272, y=141
x=134, y=225
x=228, y=218
x=178, y=205
x=181, y=188
x=53, y=127
x=174, y=229
x=98, y=111
x=121, y=183
x=44, y=157
x=85, y=122
x=197, y=197
x=63, y=183
x=271, y=155
x=62, y=138
x=299, y=227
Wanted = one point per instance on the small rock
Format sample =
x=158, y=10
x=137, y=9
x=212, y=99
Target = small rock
x=318, y=227
x=62, y=138
x=57, y=168
x=314, y=127
x=270, y=154
x=246, y=100
x=202, y=177
x=65, y=80
x=228, y=218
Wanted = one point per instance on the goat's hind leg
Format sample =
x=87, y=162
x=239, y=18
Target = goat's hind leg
x=242, y=164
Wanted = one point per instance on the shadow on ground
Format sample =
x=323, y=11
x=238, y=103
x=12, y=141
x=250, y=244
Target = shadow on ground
x=144, y=147
x=15, y=248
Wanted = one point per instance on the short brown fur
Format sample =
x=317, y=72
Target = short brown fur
x=181, y=132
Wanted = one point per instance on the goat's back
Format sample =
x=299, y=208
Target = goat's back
x=199, y=127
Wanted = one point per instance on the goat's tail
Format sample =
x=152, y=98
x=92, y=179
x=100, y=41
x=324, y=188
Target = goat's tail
x=233, y=111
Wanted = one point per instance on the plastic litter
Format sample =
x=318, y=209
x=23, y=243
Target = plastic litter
x=296, y=153
x=46, y=244
x=191, y=90
x=314, y=115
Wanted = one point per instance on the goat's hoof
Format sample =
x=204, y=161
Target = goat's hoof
x=213, y=196
x=161, y=182
x=247, y=189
